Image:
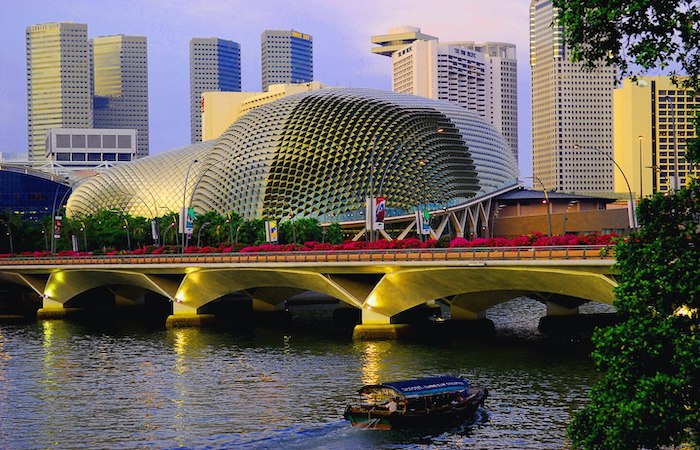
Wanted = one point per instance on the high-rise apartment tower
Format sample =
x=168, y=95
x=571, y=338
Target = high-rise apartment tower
x=480, y=77
x=287, y=57
x=572, y=122
x=215, y=65
x=59, y=92
x=120, y=79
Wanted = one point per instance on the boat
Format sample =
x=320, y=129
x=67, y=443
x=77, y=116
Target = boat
x=415, y=403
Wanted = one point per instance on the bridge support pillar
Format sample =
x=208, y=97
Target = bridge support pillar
x=54, y=310
x=376, y=326
x=457, y=313
x=186, y=316
x=556, y=309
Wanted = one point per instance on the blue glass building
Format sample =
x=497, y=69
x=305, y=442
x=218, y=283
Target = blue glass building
x=29, y=193
x=215, y=65
x=287, y=57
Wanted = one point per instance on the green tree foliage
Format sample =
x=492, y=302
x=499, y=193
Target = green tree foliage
x=650, y=393
x=333, y=234
x=635, y=36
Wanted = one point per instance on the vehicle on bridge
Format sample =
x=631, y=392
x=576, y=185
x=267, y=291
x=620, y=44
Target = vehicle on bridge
x=415, y=403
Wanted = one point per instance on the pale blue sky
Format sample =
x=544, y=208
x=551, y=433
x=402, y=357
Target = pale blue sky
x=341, y=31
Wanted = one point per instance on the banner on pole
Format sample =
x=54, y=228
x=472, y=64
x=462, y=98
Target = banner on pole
x=154, y=230
x=426, y=222
x=271, y=231
x=379, y=212
x=186, y=223
x=57, y=226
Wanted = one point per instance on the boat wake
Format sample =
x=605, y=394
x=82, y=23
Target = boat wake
x=339, y=435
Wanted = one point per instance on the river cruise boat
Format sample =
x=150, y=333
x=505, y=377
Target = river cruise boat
x=414, y=403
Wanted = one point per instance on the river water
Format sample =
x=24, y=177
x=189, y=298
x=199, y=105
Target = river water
x=126, y=385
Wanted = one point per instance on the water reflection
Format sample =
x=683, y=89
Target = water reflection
x=80, y=386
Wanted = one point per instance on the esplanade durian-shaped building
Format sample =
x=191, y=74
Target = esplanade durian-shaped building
x=317, y=154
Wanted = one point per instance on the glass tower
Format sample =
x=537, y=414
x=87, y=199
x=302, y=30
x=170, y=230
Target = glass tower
x=215, y=65
x=121, y=86
x=287, y=57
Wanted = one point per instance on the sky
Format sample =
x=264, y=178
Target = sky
x=341, y=33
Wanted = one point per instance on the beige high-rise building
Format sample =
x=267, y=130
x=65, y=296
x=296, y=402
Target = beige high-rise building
x=652, y=121
x=59, y=92
x=120, y=77
x=571, y=112
x=481, y=77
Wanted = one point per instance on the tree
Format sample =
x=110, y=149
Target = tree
x=650, y=391
x=635, y=36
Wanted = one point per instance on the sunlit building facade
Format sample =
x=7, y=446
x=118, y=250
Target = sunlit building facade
x=215, y=65
x=59, y=91
x=653, y=119
x=120, y=77
x=572, y=141
x=319, y=154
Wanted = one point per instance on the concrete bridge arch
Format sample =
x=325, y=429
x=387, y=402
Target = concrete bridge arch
x=470, y=291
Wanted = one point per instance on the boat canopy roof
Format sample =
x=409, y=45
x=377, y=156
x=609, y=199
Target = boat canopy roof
x=421, y=387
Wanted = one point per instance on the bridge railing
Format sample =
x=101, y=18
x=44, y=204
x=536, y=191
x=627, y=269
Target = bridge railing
x=596, y=252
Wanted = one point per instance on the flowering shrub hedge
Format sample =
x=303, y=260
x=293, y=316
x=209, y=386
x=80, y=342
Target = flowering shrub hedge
x=535, y=239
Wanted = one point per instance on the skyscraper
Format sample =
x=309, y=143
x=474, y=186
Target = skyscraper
x=653, y=119
x=59, y=92
x=571, y=111
x=120, y=68
x=481, y=77
x=287, y=57
x=215, y=65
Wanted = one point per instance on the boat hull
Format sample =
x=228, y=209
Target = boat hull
x=384, y=420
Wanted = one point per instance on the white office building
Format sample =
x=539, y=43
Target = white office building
x=572, y=123
x=481, y=77
x=90, y=147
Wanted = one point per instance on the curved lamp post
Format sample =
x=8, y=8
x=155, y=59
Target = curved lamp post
x=83, y=228
x=633, y=222
x=54, y=206
x=183, y=212
x=549, y=207
x=9, y=234
x=199, y=234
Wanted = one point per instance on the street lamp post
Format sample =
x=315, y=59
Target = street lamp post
x=184, y=212
x=83, y=228
x=571, y=203
x=229, y=220
x=9, y=234
x=46, y=237
x=549, y=207
x=128, y=235
x=199, y=234
x=633, y=222
x=641, y=185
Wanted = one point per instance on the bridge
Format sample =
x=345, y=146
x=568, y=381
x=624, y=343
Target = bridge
x=384, y=285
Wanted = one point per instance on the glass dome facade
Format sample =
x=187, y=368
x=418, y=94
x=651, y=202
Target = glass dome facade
x=318, y=154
